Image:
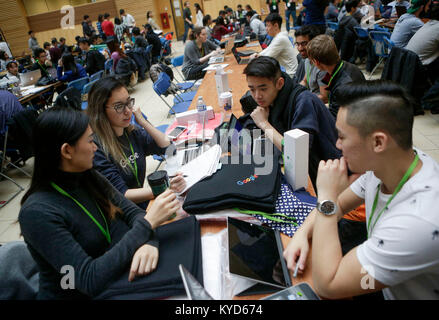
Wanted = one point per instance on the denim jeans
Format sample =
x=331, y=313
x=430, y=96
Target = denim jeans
x=287, y=18
x=187, y=26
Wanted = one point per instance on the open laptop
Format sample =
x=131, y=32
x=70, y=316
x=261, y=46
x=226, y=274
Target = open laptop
x=238, y=58
x=400, y=10
x=255, y=253
x=195, y=291
x=30, y=78
x=387, y=12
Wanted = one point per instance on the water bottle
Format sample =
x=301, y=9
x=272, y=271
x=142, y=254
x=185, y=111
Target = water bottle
x=201, y=108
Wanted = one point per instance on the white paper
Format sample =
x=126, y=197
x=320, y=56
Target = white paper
x=201, y=167
x=177, y=13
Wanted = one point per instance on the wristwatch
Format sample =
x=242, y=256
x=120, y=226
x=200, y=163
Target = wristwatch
x=327, y=207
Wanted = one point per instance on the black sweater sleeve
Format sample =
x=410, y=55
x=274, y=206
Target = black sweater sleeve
x=46, y=223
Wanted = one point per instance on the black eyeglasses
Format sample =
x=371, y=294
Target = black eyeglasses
x=120, y=107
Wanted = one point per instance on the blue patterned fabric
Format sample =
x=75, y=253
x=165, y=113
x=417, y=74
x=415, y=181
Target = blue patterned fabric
x=297, y=204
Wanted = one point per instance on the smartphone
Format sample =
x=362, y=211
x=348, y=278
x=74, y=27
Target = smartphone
x=176, y=132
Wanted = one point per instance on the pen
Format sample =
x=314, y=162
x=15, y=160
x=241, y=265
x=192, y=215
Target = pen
x=184, y=176
x=297, y=269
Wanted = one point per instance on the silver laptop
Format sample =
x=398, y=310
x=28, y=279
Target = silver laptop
x=30, y=78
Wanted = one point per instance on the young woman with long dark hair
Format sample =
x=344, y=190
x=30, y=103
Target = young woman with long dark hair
x=68, y=70
x=123, y=147
x=75, y=222
x=197, y=53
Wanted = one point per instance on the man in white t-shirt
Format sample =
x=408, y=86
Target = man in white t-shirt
x=400, y=187
x=127, y=19
x=280, y=47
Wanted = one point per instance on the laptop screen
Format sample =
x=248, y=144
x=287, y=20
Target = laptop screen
x=387, y=12
x=254, y=253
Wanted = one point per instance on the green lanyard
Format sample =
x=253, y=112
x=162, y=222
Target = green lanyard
x=332, y=77
x=134, y=170
x=270, y=216
x=307, y=76
x=398, y=188
x=106, y=231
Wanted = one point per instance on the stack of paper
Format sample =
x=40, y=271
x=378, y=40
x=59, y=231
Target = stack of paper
x=201, y=167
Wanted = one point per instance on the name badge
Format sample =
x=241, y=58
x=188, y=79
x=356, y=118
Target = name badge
x=274, y=7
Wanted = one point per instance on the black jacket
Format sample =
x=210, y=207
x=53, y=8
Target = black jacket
x=156, y=43
x=345, y=37
x=348, y=73
x=20, y=131
x=95, y=62
x=404, y=67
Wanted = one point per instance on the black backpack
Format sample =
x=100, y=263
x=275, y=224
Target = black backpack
x=69, y=98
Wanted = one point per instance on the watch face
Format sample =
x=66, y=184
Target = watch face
x=327, y=207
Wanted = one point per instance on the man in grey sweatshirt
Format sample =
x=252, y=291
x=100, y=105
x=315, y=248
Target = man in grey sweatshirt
x=33, y=43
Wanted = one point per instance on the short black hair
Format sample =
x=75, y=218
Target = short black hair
x=274, y=18
x=352, y=4
x=221, y=12
x=54, y=40
x=38, y=51
x=229, y=10
x=86, y=17
x=106, y=15
x=84, y=40
x=30, y=31
x=46, y=44
x=379, y=105
x=263, y=67
x=62, y=39
x=308, y=30
x=121, y=11
x=249, y=14
x=136, y=31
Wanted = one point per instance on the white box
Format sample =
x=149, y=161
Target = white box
x=296, y=151
x=222, y=83
x=184, y=118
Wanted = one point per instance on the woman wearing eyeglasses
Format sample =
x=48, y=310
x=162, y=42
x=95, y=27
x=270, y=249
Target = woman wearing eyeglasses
x=80, y=231
x=122, y=148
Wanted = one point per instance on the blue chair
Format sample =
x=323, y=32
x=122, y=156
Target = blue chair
x=161, y=87
x=380, y=46
x=109, y=67
x=177, y=62
x=96, y=76
x=148, y=51
x=181, y=97
x=84, y=94
x=332, y=25
x=78, y=83
x=361, y=33
x=390, y=44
